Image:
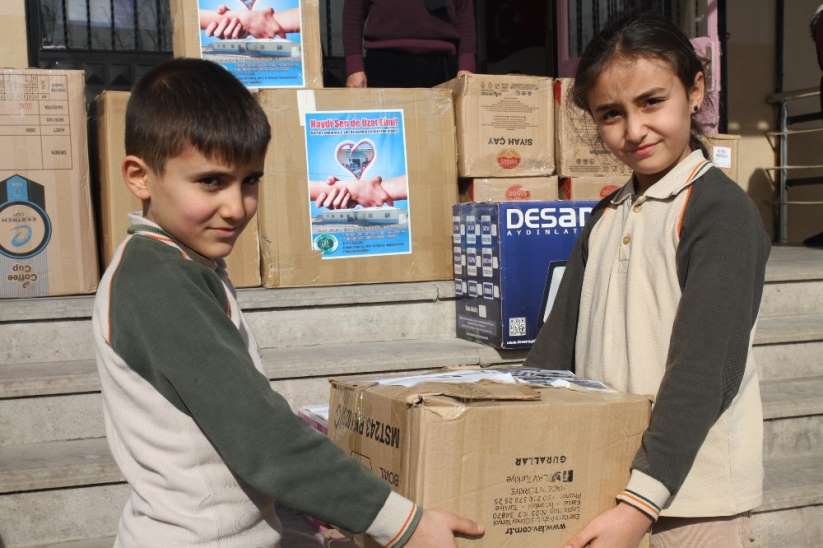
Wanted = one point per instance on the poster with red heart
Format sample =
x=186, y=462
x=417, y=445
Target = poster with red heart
x=358, y=183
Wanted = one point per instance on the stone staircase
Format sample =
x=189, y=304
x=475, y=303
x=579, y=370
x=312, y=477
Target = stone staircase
x=60, y=487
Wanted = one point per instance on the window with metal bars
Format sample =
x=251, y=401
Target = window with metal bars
x=115, y=41
x=588, y=17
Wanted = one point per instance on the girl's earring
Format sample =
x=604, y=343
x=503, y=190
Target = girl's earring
x=694, y=109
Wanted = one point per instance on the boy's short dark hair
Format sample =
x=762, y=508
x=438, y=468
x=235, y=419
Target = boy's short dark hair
x=199, y=103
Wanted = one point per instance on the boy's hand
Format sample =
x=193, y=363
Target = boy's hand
x=437, y=530
x=621, y=527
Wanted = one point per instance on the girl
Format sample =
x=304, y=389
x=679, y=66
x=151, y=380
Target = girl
x=660, y=296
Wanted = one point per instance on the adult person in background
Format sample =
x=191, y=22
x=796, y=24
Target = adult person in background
x=407, y=43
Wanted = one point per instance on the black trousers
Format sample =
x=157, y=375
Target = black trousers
x=399, y=69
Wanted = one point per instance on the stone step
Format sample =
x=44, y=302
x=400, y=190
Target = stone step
x=105, y=542
x=46, y=516
x=407, y=310
x=300, y=374
x=61, y=515
x=46, y=402
x=794, y=281
x=793, y=411
x=786, y=264
x=59, y=329
x=792, y=297
x=793, y=263
x=80, y=376
x=776, y=339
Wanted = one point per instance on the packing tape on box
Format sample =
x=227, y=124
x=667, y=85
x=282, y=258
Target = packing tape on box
x=305, y=103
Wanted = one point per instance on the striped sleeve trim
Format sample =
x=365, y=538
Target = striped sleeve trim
x=645, y=493
x=640, y=503
x=396, y=522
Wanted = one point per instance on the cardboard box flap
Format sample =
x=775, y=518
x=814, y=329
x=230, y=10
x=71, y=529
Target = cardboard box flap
x=483, y=390
x=446, y=393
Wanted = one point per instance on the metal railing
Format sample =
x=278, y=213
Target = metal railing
x=784, y=182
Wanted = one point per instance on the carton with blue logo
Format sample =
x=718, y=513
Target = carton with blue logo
x=47, y=243
x=515, y=255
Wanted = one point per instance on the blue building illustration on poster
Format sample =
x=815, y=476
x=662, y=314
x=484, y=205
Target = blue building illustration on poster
x=358, y=183
x=259, y=41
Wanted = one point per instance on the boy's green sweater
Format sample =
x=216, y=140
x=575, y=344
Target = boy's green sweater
x=193, y=423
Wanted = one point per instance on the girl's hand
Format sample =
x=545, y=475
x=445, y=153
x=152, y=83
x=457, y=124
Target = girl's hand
x=621, y=527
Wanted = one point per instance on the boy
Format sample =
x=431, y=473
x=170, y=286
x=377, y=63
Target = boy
x=193, y=424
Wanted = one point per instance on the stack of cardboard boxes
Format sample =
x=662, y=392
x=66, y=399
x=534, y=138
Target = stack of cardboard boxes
x=509, y=255
x=505, y=128
x=47, y=243
x=363, y=141
x=299, y=66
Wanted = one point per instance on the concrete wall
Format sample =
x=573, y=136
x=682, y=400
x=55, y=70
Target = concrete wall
x=13, y=45
x=751, y=78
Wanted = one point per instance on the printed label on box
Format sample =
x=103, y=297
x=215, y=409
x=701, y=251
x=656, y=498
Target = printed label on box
x=358, y=183
x=25, y=232
x=722, y=156
x=520, y=271
x=35, y=132
x=259, y=41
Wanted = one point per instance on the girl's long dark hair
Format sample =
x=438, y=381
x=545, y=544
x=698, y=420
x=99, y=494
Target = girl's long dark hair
x=637, y=35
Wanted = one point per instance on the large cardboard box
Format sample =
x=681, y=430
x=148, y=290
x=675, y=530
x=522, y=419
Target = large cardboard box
x=578, y=148
x=405, y=137
x=14, y=52
x=533, y=464
x=509, y=258
x=505, y=125
x=116, y=202
x=292, y=59
x=503, y=189
x=590, y=188
x=47, y=244
x=724, y=153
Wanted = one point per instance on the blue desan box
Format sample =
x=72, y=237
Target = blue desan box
x=509, y=258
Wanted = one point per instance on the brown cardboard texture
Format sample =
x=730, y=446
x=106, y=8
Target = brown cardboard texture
x=505, y=125
x=507, y=189
x=724, y=154
x=13, y=50
x=285, y=222
x=590, y=188
x=534, y=465
x=578, y=147
x=116, y=202
x=47, y=242
x=186, y=35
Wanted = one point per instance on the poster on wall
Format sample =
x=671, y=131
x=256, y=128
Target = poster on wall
x=259, y=41
x=358, y=183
